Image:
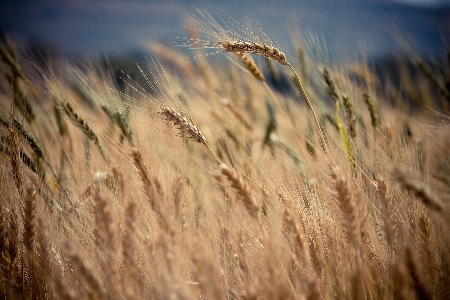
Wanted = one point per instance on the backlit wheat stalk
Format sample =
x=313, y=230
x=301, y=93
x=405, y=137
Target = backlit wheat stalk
x=241, y=40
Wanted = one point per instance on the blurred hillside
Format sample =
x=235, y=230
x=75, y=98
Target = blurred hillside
x=346, y=28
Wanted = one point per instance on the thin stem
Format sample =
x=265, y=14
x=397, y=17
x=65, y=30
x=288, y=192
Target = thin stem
x=308, y=102
x=215, y=156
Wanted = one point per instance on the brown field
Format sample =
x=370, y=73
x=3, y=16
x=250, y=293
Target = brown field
x=207, y=181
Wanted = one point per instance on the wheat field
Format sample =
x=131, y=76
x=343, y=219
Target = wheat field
x=263, y=177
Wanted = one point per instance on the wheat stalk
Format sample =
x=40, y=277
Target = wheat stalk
x=246, y=41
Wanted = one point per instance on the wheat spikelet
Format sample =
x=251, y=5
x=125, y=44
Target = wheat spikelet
x=62, y=126
x=371, y=107
x=119, y=120
x=298, y=231
x=29, y=219
x=351, y=120
x=237, y=39
x=127, y=242
x=15, y=159
x=11, y=60
x=84, y=126
x=148, y=186
x=332, y=89
x=242, y=188
x=9, y=56
x=268, y=52
x=184, y=124
x=30, y=139
x=251, y=66
x=353, y=223
x=432, y=258
x=105, y=233
x=347, y=206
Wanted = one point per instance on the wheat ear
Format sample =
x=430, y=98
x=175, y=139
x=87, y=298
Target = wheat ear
x=243, y=189
x=251, y=66
x=275, y=54
x=29, y=219
x=255, y=48
x=84, y=126
x=186, y=126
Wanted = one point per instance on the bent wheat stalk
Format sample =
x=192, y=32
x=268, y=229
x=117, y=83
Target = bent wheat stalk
x=273, y=53
x=244, y=41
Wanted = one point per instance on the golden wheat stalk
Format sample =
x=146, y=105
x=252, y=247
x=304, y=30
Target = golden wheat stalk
x=245, y=41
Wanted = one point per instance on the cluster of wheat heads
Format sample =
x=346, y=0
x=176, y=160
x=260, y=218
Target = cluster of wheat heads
x=187, y=186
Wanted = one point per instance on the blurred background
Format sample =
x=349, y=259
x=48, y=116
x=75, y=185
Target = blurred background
x=348, y=28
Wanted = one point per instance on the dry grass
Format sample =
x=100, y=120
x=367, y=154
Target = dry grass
x=182, y=200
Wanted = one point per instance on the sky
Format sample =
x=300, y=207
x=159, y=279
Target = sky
x=346, y=27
